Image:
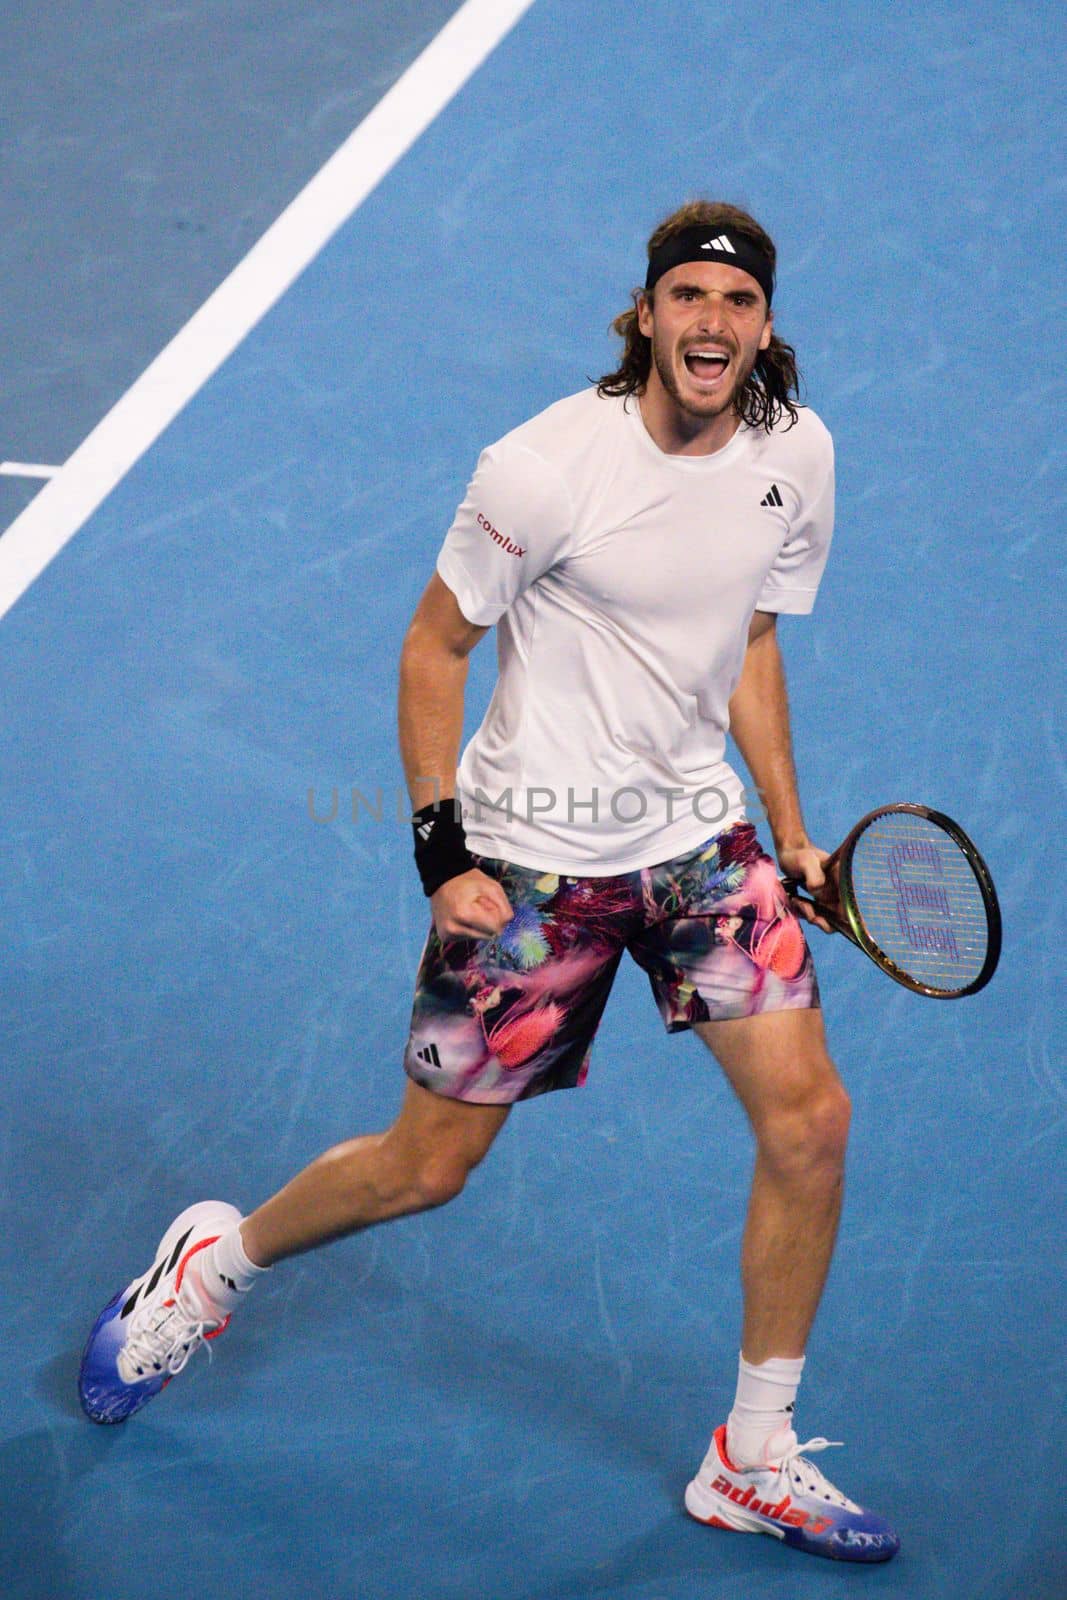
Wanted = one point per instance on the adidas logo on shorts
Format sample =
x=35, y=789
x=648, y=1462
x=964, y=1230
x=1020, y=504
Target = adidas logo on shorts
x=428, y=1055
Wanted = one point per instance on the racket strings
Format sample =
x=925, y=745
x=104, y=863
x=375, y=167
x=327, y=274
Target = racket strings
x=919, y=901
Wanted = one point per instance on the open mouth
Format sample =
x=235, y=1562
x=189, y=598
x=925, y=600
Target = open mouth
x=706, y=365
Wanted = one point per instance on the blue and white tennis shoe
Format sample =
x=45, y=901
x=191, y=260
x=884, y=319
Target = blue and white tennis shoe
x=147, y=1333
x=790, y=1499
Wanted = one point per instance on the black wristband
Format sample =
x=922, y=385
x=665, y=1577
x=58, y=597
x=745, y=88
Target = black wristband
x=440, y=844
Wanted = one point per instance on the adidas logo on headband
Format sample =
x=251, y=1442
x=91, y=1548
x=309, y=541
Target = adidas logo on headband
x=721, y=243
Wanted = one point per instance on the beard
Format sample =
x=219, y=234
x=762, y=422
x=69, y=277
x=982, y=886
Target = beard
x=699, y=408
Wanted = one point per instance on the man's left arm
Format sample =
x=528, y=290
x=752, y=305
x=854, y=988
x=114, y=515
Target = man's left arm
x=759, y=722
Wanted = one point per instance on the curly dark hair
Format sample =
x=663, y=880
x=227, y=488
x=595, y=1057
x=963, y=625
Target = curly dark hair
x=773, y=385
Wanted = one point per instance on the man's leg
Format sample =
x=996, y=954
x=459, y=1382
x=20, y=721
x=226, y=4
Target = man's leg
x=204, y=1263
x=422, y=1161
x=778, y=1066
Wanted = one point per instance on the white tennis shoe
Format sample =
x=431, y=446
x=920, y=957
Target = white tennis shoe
x=789, y=1499
x=145, y=1335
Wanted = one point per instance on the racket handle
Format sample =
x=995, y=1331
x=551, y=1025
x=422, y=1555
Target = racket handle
x=793, y=887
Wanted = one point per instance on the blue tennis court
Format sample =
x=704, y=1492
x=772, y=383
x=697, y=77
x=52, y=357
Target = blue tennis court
x=212, y=921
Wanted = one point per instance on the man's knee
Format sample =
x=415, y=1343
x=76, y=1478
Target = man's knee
x=808, y=1132
x=434, y=1146
x=828, y=1120
x=440, y=1177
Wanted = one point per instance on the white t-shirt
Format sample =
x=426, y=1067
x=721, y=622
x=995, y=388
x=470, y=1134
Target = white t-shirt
x=623, y=581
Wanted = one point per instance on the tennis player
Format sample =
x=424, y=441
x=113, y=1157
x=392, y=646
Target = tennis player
x=634, y=545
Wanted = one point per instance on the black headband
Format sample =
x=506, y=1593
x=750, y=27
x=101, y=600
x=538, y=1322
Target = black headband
x=711, y=244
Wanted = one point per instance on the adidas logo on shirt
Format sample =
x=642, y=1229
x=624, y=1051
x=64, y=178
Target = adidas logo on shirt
x=772, y=497
x=428, y=1055
x=721, y=243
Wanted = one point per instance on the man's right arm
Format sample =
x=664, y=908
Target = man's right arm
x=433, y=675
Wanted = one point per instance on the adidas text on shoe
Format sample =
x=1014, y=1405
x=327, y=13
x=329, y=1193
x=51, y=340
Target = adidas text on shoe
x=147, y=1333
x=789, y=1499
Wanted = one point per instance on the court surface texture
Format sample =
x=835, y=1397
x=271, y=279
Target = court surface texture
x=207, y=964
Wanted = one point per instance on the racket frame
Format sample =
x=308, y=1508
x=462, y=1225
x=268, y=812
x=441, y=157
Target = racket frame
x=851, y=924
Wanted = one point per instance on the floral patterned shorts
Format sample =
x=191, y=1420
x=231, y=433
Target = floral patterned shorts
x=502, y=1019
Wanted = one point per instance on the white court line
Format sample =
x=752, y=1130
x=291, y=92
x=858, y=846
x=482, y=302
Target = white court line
x=53, y=518
x=26, y=469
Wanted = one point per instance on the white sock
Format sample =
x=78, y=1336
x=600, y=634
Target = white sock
x=760, y=1426
x=226, y=1272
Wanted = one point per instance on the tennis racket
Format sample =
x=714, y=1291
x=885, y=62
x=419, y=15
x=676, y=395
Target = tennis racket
x=914, y=894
